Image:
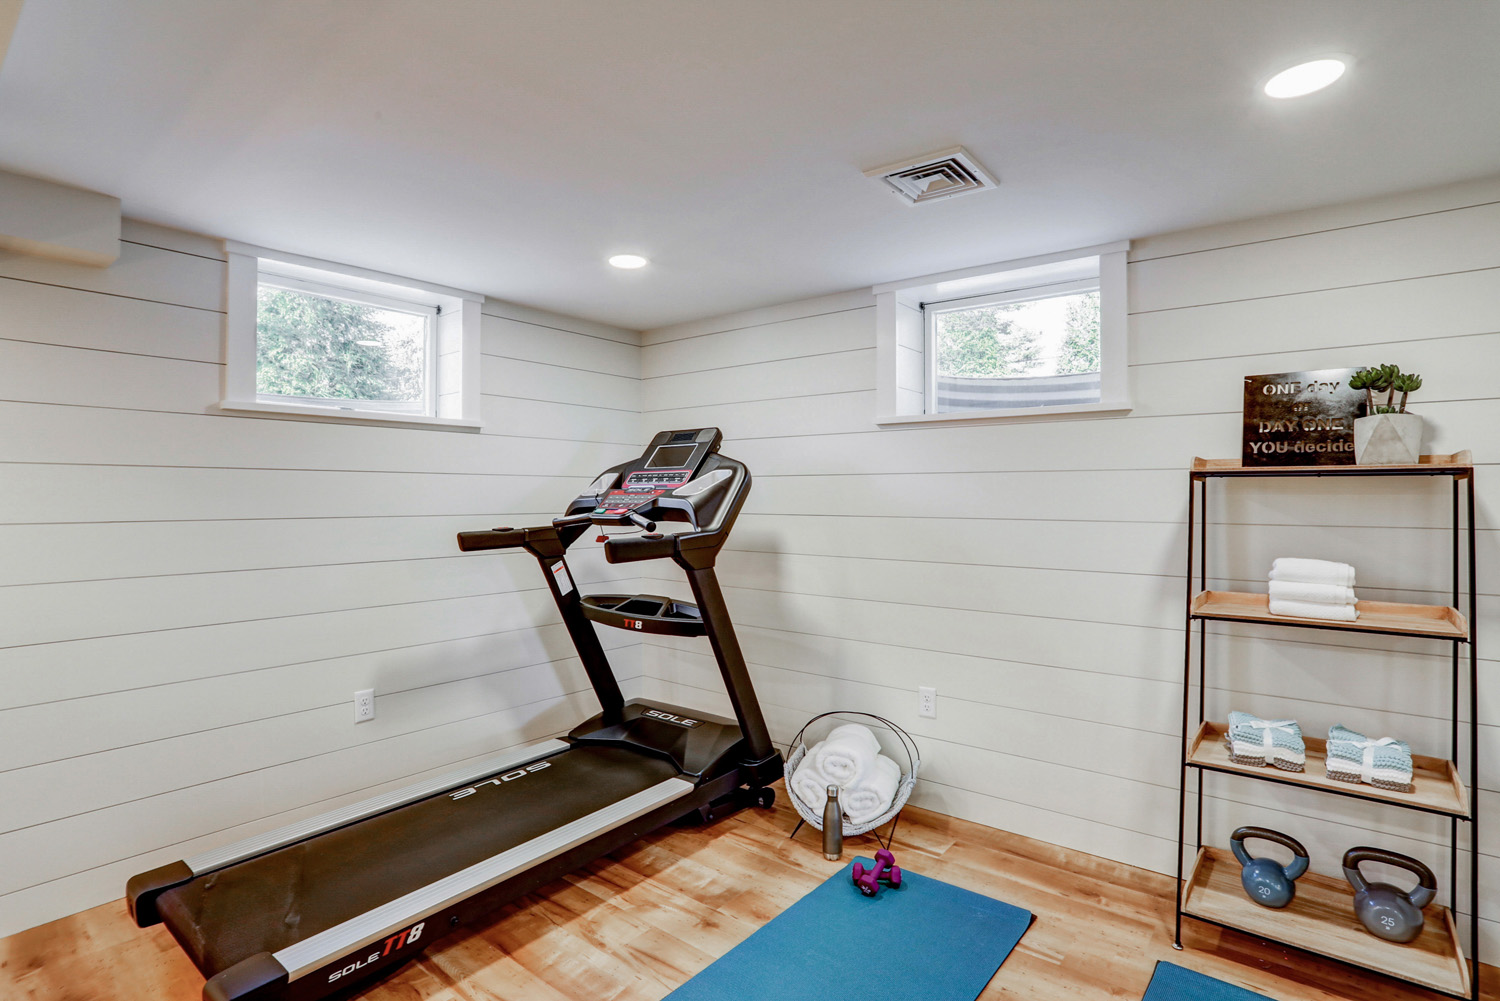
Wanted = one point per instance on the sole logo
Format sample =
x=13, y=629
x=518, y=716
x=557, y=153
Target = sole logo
x=519, y=773
x=398, y=941
x=669, y=718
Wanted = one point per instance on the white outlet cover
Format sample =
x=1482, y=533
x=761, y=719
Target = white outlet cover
x=364, y=705
x=927, y=702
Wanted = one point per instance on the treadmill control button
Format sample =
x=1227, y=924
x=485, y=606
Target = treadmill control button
x=652, y=535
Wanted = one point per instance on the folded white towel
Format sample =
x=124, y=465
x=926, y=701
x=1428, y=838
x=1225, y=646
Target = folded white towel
x=872, y=794
x=1322, y=594
x=1313, y=572
x=1313, y=610
x=809, y=784
x=846, y=754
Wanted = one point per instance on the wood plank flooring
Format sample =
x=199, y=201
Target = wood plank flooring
x=636, y=925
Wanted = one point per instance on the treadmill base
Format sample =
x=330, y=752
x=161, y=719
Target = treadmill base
x=261, y=978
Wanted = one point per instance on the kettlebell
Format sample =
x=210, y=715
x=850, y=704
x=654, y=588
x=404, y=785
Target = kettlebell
x=1265, y=880
x=1386, y=911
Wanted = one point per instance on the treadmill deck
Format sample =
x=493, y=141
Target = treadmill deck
x=272, y=901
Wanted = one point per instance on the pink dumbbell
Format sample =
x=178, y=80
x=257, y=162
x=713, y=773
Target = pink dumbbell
x=886, y=871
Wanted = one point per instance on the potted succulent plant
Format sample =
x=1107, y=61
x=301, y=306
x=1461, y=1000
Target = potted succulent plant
x=1387, y=435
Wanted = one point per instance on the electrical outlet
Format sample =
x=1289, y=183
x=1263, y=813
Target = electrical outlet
x=364, y=705
x=927, y=703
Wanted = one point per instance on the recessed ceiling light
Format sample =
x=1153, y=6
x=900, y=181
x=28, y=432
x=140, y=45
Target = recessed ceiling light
x=628, y=261
x=1305, y=78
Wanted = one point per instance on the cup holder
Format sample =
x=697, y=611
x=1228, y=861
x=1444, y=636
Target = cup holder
x=644, y=613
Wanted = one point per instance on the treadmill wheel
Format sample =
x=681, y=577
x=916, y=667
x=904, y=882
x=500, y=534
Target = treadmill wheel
x=765, y=798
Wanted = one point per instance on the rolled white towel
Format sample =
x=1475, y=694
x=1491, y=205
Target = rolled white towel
x=872, y=794
x=809, y=784
x=1322, y=594
x=846, y=754
x=1313, y=571
x=1313, y=610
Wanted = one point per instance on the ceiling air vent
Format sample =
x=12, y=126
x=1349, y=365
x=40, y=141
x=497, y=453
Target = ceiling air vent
x=943, y=174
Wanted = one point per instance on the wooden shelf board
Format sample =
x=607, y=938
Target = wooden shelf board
x=1320, y=919
x=1458, y=463
x=1438, y=787
x=1436, y=621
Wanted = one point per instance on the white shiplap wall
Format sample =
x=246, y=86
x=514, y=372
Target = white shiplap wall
x=189, y=600
x=1033, y=572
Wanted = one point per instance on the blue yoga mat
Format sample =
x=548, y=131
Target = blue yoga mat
x=928, y=940
x=1174, y=983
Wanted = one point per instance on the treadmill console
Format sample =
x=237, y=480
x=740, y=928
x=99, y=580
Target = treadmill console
x=679, y=477
x=641, y=487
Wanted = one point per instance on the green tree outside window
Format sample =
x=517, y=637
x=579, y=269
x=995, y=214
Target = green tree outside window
x=982, y=342
x=995, y=342
x=1080, y=346
x=309, y=345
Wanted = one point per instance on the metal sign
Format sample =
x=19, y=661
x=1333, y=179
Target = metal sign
x=1300, y=418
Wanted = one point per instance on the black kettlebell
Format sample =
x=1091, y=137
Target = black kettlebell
x=1385, y=910
x=1266, y=881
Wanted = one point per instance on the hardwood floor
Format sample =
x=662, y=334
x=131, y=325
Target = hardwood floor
x=634, y=926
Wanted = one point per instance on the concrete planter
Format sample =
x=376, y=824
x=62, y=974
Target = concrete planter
x=1388, y=440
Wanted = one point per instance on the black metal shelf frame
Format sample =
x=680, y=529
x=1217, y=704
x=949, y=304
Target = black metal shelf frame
x=1463, y=572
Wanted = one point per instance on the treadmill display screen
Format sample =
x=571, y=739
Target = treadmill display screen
x=670, y=455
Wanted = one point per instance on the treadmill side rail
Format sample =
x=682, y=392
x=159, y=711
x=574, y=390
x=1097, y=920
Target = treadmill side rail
x=259, y=844
x=317, y=951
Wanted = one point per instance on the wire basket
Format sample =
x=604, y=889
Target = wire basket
x=798, y=750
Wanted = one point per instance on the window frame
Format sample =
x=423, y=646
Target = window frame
x=452, y=360
x=903, y=330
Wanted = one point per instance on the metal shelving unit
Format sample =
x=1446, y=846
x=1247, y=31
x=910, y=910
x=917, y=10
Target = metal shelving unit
x=1320, y=919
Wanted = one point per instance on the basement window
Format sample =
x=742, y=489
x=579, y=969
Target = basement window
x=1034, y=348
x=1027, y=339
x=311, y=339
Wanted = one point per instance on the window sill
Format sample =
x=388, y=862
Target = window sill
x=340, y=415
x=1018, y=415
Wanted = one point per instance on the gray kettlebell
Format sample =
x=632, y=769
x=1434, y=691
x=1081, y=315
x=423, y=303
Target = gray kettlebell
x=1385, y=910
x=1267, y=881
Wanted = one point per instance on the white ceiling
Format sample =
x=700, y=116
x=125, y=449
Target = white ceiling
x=509, y=146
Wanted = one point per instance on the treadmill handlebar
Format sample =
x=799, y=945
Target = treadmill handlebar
x=544, y=541
x=697, y=547
x=630, y=548
x=562, y=530
x=495, y=538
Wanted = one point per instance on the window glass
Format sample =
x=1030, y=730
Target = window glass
x=1015, y=352
x=312, y=347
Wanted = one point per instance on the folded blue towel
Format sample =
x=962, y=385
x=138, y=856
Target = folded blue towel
x=1385, y=763
x=1255, y=741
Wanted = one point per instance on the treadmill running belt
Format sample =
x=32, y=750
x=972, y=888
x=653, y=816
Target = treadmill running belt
x=267, y=903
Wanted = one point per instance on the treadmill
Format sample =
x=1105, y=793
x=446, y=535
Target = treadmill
x=325, y=905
